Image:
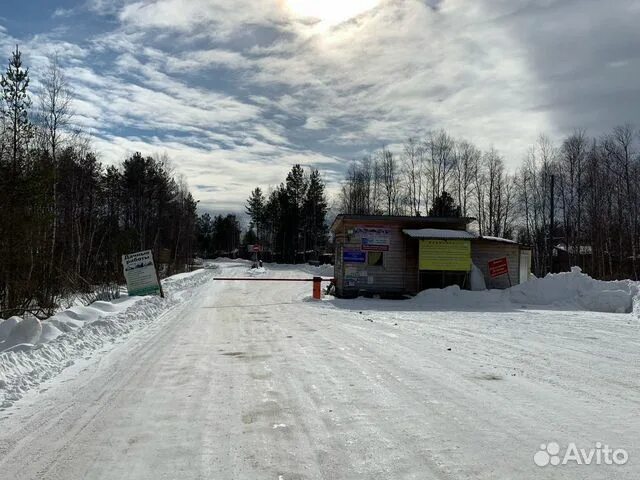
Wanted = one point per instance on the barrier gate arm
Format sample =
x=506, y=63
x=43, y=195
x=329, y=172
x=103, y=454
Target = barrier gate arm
x=317, y=282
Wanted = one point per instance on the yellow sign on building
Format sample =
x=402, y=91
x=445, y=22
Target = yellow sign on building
x=447, y=255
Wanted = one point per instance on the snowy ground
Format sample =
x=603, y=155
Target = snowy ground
x=253, y=381
x=44, y=349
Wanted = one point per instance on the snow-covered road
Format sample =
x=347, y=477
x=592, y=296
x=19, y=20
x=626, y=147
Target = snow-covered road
x=253, y=381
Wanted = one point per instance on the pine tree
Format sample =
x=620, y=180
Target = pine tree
x=19, y=211
x=15, y=109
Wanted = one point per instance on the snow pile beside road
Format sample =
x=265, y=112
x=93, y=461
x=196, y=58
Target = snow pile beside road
x=319, y=271
x=35, y=351
x=25, y=334
x=565, y=290
x=7, y=326
x=575, y=289
x=455, y=298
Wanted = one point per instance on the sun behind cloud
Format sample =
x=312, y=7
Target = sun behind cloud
x=329, y=12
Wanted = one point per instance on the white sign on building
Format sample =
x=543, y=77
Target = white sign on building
x=140, y=273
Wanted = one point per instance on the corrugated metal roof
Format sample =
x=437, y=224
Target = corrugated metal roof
x=438, y=233
x=406, y=221
x=498, y=239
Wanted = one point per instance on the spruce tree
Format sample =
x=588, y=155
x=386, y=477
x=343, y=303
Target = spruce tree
x=315, y=212
x=255, y=208
x=445, y=206
x=296, y=188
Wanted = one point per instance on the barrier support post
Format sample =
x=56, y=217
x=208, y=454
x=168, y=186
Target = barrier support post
x=317, y=288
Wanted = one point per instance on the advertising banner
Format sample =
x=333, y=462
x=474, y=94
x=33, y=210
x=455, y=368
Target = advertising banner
x=373, y=238
x=354, y=257
x=447, y=255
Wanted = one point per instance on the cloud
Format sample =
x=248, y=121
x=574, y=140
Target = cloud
x=206, y=59
x=231, y=170
x=104, y=7
x=581, y=56
x=443, y=71
x=62, y=12
x=237, y=91
x=186, y=16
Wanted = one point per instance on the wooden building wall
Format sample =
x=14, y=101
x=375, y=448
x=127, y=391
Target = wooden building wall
x=483, y=251
x=398, y=275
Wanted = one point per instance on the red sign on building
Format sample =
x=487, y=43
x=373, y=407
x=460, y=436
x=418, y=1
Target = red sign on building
x=498, y=267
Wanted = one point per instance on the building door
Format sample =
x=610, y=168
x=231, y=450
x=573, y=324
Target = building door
x=525, y=265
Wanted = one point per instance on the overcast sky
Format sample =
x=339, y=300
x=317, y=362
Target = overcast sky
x=236, y=91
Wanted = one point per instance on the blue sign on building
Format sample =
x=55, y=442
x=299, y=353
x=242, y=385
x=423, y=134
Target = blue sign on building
x=354, y=257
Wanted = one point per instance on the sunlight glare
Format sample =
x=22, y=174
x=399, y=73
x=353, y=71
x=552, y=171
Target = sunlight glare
x=331, y=12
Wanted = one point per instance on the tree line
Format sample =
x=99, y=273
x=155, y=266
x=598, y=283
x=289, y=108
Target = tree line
x=579, y=199
x=218, y=236
x=289, y=222
x=66, y=219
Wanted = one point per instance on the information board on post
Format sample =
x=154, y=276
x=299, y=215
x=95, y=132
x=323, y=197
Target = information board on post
x=446, y=255
x=141, y=275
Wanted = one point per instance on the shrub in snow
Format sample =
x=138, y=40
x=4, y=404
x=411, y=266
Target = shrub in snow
x=7, y=326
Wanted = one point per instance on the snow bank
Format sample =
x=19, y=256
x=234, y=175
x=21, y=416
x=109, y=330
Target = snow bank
x=575, y=289
x=453, y=297
x=314, y=271
x=27, y=331
x=566, y=290
x=182, y=276
x=319, y=271
x=36, y=351
x=49, y=333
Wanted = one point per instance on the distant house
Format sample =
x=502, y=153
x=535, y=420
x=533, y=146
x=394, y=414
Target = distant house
x=397, y=255
x=565, y=257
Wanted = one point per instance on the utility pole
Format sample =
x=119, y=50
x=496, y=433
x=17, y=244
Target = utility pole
x=551, y=222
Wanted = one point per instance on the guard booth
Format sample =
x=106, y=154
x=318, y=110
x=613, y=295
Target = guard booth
x=393, y=256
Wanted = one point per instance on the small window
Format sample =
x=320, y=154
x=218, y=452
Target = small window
x=375, y=259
